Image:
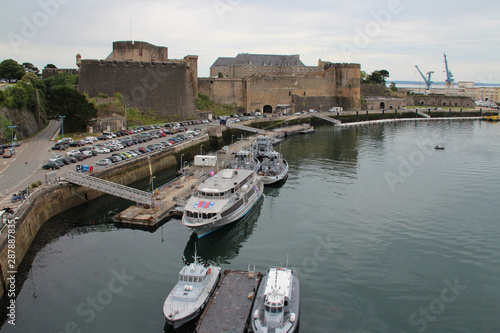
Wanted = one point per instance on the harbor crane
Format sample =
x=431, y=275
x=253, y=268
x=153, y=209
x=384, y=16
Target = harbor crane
x=427, y=80
x=449, y=77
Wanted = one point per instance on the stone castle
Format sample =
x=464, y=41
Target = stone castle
x=145, y=77
x=272, y=83
x=148, y=80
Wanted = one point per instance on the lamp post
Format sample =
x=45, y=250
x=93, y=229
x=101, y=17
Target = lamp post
x=12, y=133
x=26, y=181
x=152, y=184
x=182, y=170
x=232, y=136
x=201, y=150
x=62, y=126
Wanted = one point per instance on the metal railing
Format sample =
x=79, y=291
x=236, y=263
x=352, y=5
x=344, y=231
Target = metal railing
x=108, y=187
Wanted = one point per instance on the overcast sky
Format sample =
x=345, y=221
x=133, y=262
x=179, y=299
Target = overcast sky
x=379, y=34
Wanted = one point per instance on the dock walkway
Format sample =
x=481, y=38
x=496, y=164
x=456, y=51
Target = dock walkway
x=229, y=307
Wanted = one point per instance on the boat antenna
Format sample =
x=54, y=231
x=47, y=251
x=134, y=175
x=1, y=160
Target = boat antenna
x=286, y=260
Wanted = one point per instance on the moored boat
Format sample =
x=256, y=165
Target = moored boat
x=245, y=161
x=277, y=302
x=188, y=298
x=222, y=199
x=273, y=168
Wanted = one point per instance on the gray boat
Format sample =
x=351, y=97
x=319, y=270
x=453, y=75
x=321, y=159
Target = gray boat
x=222, y=199
x=188, y=298
x=277, y=303
x=245, y=161
x=273, y=168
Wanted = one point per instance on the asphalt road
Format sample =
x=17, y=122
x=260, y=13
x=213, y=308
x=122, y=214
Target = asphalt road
x=26, y=163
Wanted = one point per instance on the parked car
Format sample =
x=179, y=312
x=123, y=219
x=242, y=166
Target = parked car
x=51, y=166
x=8, y=153
x=104, y=162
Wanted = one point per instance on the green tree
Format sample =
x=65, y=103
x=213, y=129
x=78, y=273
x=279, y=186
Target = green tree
x=10, y=69
x=393, y=87
x=50, y=66
x=30, y=77
x=68, y=102
x=30, y=68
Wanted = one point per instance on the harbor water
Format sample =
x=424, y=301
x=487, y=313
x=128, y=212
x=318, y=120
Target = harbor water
x=387, y=233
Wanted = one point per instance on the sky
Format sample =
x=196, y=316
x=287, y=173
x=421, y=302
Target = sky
x=394, y=35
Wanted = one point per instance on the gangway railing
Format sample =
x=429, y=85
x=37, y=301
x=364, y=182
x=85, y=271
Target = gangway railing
x=118, y=190
x=332, y=120
x=245, y=128
x=425, y=115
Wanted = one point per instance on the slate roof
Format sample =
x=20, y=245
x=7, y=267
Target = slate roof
x=259, y=60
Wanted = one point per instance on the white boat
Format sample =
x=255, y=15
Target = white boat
x=273, y=168
x=277, y=303
x=222, y=199
x=190, y=295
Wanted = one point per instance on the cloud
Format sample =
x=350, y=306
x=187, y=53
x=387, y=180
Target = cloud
x=419, y=33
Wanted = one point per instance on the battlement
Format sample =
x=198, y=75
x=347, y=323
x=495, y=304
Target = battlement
x=140, y=64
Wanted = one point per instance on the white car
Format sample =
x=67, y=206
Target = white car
x=104, y=162
x=55, y=158
x=102, y=150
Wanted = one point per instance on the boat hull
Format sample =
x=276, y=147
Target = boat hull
x=288, y=326
x=271, y=180
x=196, y=309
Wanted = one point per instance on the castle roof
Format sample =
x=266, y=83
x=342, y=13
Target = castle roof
x=259, y=60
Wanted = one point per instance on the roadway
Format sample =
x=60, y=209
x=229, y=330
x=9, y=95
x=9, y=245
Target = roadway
x=21, y=168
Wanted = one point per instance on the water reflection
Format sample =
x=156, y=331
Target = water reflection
x=224, y=244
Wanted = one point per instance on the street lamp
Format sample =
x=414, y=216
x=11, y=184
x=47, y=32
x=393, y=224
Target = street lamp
x=152, y=184
x=181, y=165
x=62, y=126
x=201, y=150
x=26, y=181
x=232, y=135
x=12, y=133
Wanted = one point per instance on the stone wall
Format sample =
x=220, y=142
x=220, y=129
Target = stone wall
x=166, y=87
x=440, y=101
x=340, y=85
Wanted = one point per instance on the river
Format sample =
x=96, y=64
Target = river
x=387, y=233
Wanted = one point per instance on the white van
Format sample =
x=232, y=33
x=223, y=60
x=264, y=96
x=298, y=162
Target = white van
x=90, y=139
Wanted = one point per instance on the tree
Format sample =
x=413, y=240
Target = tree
x=30, y=77
x=50, y=66
x=68, y=102
x=30, y=68
x=393, y=87
x=10, y=69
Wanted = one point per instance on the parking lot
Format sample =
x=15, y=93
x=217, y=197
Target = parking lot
x=113, y=148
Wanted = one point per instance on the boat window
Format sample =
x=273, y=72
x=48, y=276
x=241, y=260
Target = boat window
x=190, y=279
x=181, y=278
x=195, y=279
x=195, y=215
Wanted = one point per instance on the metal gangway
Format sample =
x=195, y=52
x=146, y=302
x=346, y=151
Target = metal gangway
x=122, y=191
x=332, y=120
x=425, y=115
x=246, y=128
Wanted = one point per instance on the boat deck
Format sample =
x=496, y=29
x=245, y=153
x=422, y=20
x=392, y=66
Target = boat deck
x=229, y=307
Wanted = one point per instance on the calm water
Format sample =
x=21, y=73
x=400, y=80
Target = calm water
x=388, y=234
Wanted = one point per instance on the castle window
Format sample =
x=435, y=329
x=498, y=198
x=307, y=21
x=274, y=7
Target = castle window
x=140, y=52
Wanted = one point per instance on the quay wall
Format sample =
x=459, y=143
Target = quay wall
x=52, y=200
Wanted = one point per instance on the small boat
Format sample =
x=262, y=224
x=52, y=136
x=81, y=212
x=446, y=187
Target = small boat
x=188, y=298
x=307, y=130
x=273, y=168
x=222, y=199
x=277, y=302
x=439, y=148
x=245, y=161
